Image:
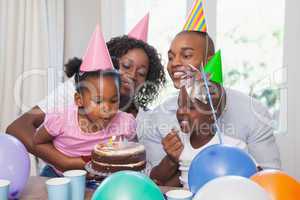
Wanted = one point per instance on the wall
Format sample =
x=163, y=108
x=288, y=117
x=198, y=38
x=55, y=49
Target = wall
x=290, y=143
x=81, y=18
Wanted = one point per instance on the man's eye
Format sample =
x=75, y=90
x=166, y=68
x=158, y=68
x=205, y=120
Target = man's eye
x=187, y=56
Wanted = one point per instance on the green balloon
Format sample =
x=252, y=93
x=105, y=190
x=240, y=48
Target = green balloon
x=128, y=185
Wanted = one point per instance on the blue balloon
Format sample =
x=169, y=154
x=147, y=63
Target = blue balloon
x=216, y=161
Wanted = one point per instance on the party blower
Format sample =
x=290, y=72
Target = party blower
x=207, y=94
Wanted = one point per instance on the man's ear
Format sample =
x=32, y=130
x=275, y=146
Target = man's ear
x=78, y=99
x=208, y=58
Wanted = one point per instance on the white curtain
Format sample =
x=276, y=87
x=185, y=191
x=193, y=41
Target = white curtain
x=31, y=54
x=55, y=24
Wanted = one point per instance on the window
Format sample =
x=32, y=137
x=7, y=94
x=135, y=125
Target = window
x=250, y=35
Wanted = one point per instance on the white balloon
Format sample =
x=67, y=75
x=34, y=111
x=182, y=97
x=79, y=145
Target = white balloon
x=231, y=188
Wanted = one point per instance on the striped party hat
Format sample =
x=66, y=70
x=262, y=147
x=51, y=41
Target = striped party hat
x=196, y=18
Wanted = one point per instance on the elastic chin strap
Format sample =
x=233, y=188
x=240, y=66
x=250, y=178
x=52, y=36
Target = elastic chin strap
x=211, y=105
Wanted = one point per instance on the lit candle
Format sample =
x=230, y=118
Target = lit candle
x=111, y=140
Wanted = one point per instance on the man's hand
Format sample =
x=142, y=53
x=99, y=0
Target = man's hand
x=172, y=145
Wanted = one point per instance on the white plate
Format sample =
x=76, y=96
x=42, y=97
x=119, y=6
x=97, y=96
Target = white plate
x=88, y=168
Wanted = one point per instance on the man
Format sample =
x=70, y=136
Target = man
x=242, y=117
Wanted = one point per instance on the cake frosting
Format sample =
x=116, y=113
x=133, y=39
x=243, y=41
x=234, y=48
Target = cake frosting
x=118, y=156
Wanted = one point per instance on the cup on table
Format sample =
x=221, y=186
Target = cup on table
x=179, y=195
x=4, y=189
x=78, y=179
x=58, y=188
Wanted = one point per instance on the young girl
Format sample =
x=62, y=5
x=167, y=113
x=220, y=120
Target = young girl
x=92, y=119
x=95, y=116
x=131, y=63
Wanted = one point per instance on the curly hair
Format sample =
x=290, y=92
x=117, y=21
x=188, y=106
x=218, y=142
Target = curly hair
x=72, y=68
x=155, y=80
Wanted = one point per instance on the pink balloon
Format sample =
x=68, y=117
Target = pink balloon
x=14, y=164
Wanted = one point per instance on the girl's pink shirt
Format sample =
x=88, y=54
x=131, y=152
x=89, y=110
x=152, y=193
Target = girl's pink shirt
x=72, y=141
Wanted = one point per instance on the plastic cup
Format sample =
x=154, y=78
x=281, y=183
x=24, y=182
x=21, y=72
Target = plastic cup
x=4, y=189
x=58, y=188
x=78, y=179
x=179, y=195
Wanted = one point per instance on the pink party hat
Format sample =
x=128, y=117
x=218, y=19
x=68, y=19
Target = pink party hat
x=140, y=31
x=96, y=56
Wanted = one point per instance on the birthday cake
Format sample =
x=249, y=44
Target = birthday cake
x=109, y=158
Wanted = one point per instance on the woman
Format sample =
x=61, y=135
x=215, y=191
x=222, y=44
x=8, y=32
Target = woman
x=141, y=71
x=138, y=64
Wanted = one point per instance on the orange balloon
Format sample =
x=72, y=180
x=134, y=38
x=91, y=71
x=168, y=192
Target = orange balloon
x=278, y=184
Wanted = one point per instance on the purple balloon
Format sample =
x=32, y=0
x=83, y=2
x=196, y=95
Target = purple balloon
x=14, y=164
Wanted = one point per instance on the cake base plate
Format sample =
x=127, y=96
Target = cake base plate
x=97, y=177
x=97, y=174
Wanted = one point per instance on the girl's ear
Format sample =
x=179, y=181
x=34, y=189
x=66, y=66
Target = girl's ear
x=78, y=99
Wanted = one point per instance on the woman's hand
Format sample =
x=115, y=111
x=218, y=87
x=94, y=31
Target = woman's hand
x=173, y=145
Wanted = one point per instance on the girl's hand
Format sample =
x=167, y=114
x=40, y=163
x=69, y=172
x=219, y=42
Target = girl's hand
x=172, y=145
